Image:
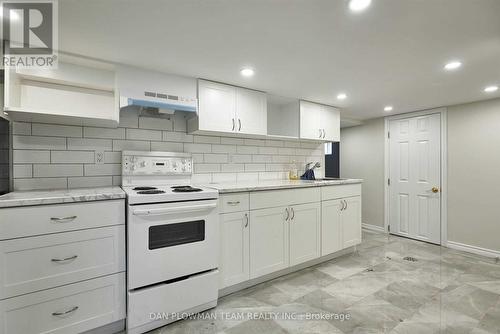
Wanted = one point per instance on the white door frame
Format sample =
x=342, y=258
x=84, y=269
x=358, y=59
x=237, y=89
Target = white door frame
x=444, y=167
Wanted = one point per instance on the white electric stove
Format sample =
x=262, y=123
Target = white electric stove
x=172, y=239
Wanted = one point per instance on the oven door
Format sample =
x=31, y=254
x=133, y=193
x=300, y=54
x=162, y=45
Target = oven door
x=171, y=240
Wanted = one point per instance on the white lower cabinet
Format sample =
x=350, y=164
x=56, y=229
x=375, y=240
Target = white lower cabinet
x=268, y=241
x=42, y=262
x=304, y=232
x=340, y=224
x=331, y=239
x=351, y=222
x=279, y=229
x=62, y=267
x=69, y=309
x=234, y=262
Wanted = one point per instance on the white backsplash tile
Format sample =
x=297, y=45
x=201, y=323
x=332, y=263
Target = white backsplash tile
x=87, y=144
x=57, y=170
x=105, y=133
x=20, y=128
x=30, y=156
x=56, y=130
x=141, y=134
x=64, y=157
x=155, y=123
x=38, y=143
x=48, y=156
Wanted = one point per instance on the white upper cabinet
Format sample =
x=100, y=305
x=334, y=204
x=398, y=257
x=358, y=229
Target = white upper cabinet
x=310, y=126
x=330, y=121
x=229, y=109
x=251, y=111
x=319, y=122
x=71, y=94
x=217, y=106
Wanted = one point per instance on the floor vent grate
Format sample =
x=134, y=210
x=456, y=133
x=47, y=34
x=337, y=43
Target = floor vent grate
x=409, y=258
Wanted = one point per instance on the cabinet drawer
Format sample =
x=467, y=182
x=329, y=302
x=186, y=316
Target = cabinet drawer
x=285, y=197
x=233, y=202
x=45, y=219
x=37, y=263
x=339, y=191
x=69, y=309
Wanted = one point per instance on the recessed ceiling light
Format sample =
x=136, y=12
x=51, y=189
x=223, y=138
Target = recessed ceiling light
x=388, y=108
x=247, y=72
x=341, y=96
x=359, y=5
x=452, y=65
x=491, y=89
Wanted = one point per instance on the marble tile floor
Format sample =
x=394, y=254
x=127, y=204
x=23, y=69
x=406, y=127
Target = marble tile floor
x=444, y=291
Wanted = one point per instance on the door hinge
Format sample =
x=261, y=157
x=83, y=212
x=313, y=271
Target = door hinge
x=388, y=182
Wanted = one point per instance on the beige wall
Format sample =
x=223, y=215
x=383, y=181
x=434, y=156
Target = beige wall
x=473, y=171
x=474, y=174
x=362, y=156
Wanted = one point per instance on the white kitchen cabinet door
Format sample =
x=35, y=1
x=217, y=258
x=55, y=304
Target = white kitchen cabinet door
x=268, y=241
x=330, y=123
x=304, y=232
x=251, y=112
x=234, y=251
x=351, y=221
x=331, y=238
x=68, y=309
x=217, y=106
x=310, y=122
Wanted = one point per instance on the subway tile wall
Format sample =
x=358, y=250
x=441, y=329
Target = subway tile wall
x=50, y=156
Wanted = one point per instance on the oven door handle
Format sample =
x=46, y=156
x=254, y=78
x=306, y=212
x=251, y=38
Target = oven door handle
x=178, y=209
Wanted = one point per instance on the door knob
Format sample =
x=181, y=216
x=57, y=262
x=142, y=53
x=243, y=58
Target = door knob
x=435, y=190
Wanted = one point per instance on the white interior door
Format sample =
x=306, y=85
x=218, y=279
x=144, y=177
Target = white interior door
x=415, y=177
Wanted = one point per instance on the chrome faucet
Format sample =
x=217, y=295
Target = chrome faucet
x=316, y=165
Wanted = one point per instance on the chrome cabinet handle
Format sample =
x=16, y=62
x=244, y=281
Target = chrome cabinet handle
x=71, y=310
x=287, y=214
x=293, y=213
x=65, y=259
x=233, y=125
x=320, y=133
x=239, y=123
x=324, y=133
x=246, y=219
x=342, y=207
x=63, y=219
x=345, y=205
x=233, y=202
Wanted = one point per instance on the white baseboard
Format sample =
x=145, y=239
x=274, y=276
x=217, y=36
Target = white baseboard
x=373, y=227
x=473, y=249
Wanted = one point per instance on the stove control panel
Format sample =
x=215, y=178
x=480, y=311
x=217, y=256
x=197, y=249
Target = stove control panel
x=157, y=165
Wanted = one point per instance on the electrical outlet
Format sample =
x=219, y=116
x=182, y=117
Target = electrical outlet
x=99, y=157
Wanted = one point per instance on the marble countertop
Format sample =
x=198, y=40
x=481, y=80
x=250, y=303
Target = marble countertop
x=40, y=197
x=233, y=187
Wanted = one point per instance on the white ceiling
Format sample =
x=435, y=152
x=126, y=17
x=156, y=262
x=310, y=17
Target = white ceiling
x=392, y=53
